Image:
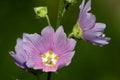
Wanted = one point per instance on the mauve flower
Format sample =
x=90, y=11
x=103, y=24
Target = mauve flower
x=91, y=31
x=49, y=51
x=20, y=56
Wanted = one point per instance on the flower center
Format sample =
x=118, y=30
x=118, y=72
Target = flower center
x=49, y=58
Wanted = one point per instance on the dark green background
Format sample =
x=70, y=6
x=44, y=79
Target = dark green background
x=89, y=63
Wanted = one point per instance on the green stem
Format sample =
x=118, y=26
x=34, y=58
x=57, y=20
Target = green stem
x=62, y=7
x=70, y=35
x=48, y=20
x=38, y=77
x=60, y=11
x=49, y=76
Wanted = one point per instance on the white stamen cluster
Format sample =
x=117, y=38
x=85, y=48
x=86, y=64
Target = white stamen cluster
x=49, y=58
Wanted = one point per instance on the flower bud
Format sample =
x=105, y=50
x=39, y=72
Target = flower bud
x=70, y=1
x=41, y=11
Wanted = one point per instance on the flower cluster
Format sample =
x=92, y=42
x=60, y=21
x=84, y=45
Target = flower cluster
x=51, y=49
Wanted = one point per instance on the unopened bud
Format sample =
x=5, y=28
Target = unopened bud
x=70, y=1
x=41, y=11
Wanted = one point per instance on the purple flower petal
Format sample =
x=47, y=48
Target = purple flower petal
x=95, y=35
x=43, y=42
x=21, y=56
x=82, y=6
x=86, y=20
x=34, y=39
x=48, y=36
x=70, y=45
x=66, y=58
x=30, y=48
x=61, y=43
x=99, y=27
x=33, y=60
x=60, y=40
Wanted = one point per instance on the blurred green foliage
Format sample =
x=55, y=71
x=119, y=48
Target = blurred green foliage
x=89, y=63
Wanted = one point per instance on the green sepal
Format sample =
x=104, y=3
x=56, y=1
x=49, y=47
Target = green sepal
x=77, y=32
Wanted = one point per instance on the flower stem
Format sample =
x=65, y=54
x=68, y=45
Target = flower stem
x=48, y=20
x=70, y=35
x=49, y=76
x=60, y=11
x=62, y=7
x=38, y=77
